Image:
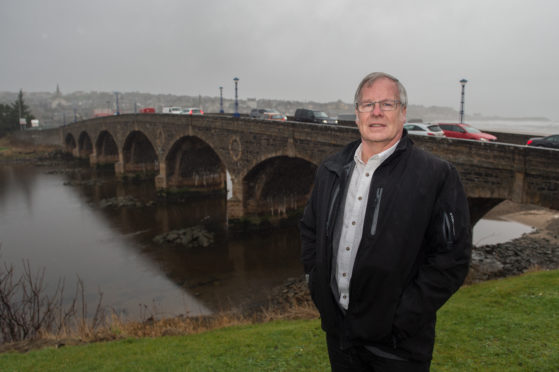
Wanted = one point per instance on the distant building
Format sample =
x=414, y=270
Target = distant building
x=58, y=101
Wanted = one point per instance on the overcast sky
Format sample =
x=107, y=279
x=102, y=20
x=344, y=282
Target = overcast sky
x=311, y=50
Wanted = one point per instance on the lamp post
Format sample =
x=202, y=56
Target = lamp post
x=236, y=114
x=463, y=83
x=117, y=106
x=221, y=100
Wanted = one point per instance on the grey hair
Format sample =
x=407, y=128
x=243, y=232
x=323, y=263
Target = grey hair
x=372, y=77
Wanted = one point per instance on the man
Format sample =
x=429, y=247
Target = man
x=386, y=239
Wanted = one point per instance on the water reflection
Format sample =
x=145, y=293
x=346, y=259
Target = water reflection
x=488, y=231
x=58, y=221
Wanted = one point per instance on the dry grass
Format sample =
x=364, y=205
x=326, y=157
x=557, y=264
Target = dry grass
x=31, y=319
x=114, y=327
x=11, y=148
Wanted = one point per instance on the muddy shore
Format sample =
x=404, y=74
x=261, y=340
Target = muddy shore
x=538, y=250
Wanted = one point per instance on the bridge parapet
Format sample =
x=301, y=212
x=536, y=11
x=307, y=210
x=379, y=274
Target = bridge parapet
x=497, y=170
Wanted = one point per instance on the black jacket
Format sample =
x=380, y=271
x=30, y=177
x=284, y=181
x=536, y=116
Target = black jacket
x=414, y=252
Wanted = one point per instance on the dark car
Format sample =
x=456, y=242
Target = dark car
x=464, y=131
x=551, y=142
x=313, y=116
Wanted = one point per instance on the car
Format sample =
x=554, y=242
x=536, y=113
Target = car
x=192, y=111
x=172, y=110
x=551, y=142
x=424, y=129
x=273, y=116
x=258, y=113
x=313, y=116
x=465, y=131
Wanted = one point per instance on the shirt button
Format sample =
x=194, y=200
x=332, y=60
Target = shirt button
x=347, y=248
x=344, y=297
x=367, y=174
x=359, y=198
x=353, y=223
x=344, y=275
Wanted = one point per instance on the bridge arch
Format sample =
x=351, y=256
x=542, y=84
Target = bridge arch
x=106, y=149
x=85, y=146
x=70, y=143
x=138, y=154
x=277, y=185
x=192, y=163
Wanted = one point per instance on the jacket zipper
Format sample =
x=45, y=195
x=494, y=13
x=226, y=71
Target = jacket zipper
x=448, y=228
x=378, y=198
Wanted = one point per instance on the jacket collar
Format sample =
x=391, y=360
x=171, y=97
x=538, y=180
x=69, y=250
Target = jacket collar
x=343, y=160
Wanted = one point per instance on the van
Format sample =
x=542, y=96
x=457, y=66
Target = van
x=172, y=110
x=313, y=116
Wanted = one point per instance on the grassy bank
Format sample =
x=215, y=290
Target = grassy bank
x=503, y=325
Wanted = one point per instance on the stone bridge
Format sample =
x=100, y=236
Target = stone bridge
x=271, y=165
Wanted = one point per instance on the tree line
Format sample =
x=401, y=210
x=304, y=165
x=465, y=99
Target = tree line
x=10, y=115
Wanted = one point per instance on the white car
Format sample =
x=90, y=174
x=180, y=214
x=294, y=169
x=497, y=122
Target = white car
x=424, y=129
x=171, y=110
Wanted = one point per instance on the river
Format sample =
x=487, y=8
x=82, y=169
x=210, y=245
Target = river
x=58, y=220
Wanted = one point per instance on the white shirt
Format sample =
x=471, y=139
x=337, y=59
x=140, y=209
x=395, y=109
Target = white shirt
x=354, y=214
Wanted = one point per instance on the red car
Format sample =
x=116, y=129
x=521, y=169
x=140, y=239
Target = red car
x=464, y=131
x=192, y=111
x=273, y=116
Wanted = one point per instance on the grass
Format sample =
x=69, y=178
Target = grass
x=504, y=325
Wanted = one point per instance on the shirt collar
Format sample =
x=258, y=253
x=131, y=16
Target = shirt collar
x=381, y=156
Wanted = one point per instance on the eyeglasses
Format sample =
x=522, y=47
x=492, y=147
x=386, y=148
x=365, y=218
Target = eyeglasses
x=385, y=105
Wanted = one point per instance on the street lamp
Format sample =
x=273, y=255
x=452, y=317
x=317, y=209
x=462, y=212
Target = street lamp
x=221, y=100
x=463, y=83
x=117, y=106
x=236, y=114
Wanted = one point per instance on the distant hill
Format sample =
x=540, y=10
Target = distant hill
x=55, y=108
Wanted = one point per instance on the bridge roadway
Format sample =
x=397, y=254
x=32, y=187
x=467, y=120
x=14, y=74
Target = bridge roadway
x=272, y=164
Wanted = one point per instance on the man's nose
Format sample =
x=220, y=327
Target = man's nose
x=376, y=110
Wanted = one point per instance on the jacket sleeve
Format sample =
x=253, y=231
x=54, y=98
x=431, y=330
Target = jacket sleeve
x=443, y=266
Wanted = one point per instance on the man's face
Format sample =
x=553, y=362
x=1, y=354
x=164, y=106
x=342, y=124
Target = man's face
x=380, y=129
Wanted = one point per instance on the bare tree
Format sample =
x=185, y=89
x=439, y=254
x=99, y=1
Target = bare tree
x=28, y=312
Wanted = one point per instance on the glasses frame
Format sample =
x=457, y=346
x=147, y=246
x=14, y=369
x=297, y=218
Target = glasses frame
x=370, y=106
